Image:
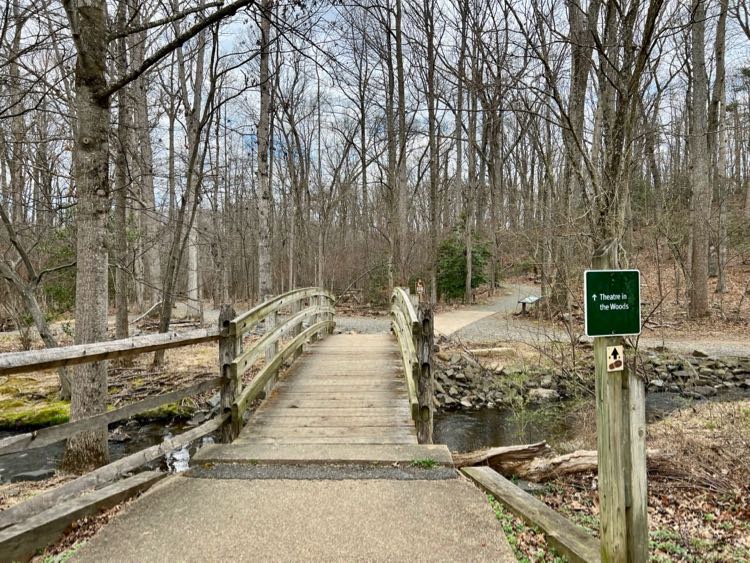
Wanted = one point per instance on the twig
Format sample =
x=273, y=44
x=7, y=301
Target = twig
x=146, y=314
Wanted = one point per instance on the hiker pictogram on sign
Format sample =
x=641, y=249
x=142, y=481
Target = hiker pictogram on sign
x=615, y=361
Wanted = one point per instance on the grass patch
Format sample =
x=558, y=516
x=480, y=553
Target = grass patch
x=64, y=556
x=426, y=463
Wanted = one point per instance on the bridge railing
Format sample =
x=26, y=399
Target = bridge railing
x=311, y=315
x=36, y=360
x=414, y=331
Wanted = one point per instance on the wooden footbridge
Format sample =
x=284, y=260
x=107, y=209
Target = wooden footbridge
x=343, y=398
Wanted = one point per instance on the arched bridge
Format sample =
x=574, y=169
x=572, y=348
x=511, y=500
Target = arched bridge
x=330, y=458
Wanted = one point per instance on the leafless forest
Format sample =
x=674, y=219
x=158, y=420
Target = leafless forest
x=154, y=152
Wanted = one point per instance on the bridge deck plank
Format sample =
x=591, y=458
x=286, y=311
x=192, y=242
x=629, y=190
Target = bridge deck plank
x=345, y=389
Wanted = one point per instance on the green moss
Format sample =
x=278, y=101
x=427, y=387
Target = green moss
x=37, y=415
x=170, y=410
x=11, y=404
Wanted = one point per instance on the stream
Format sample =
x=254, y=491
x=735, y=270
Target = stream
x=461, y=431
x=141, y=436
x=468, y=430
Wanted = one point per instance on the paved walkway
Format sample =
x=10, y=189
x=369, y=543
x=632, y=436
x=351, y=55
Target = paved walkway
x=191, y=519
x=450, y=322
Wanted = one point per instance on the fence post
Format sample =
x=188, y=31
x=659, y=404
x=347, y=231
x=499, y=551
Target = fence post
x=621, y=447
x=314, y=302
x=229, y=347
x=332, y=314
x=271, y=351
x=296, y=308
x=423, y=342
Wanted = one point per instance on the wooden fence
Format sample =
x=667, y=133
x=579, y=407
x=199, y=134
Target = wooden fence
x=413, y=327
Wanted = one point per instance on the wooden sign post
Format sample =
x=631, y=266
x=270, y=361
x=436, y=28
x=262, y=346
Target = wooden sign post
x=620, y=411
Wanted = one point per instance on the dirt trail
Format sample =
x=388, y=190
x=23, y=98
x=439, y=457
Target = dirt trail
x=450, y=322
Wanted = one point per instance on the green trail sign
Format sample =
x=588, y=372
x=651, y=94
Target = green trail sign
x=612, y=301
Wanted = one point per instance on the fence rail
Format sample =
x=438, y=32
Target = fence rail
x=413, y=328
x=37, y=360
x=311, y=305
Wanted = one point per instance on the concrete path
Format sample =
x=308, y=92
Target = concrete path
x=192, y=519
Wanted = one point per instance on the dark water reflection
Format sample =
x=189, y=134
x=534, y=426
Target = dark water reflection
x=464, y=431
x=49, y=456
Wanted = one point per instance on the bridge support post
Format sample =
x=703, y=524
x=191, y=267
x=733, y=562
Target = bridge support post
x=230, y=345
x=271, y=351
x=328, y=302
x=423, y=335
x=296, y=308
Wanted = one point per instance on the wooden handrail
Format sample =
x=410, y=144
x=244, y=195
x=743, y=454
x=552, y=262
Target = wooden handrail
x=229, y=334
x=36, y=360
x=414, y=332
x=52, y=434
x=248, y=320
x=408, y=357
x=401, y=298
x=404, y=330
x=236, y=361
x=249, y=356
x=106, y=474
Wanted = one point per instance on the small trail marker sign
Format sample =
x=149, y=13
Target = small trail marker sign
x=612, y=302
x=615, y=361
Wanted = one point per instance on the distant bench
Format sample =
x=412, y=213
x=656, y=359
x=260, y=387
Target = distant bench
x=528, y=300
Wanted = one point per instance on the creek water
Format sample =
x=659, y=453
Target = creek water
x=141, y=437
x=464, y=431
x=461, y=431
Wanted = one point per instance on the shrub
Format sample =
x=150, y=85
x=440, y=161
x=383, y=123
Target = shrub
x=451, y=267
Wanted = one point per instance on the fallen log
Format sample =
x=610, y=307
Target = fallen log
x=531, y=462
x=498, y=456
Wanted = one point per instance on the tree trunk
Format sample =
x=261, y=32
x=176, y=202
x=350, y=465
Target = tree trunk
x=401, y=198
x=459, y=187
x=699, y=167
x=264, y=196
x=17, y=124
x=88, y=21
x=120, y=234
x=719, y=149
x=428, y=8
x=151, y=251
